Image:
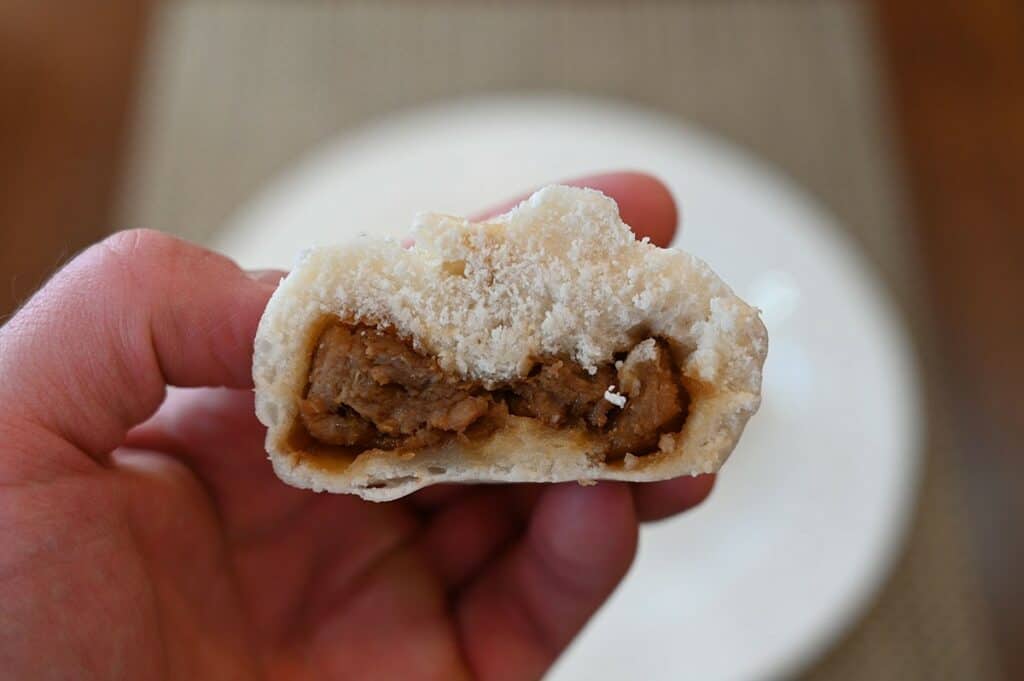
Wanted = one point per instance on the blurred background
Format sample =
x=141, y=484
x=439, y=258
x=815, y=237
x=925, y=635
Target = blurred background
x=895, y=128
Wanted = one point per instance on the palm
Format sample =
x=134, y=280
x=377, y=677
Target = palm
x=316, y=586
x=324, y=586
x=327, y=587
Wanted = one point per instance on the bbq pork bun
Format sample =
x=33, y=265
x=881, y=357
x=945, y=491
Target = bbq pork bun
x=543, y=345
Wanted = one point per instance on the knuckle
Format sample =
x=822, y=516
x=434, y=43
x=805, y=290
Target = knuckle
x=140, y=244
x=146, y=257
x=131, y=260
x=148, y=251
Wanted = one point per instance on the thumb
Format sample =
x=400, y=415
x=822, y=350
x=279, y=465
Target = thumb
x=90, y=355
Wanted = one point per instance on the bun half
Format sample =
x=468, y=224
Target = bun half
x=559, y=276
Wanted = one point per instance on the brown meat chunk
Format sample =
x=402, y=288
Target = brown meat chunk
x=656, y=402
x=368, y=388
x=365, y=377
x=561, y=393
x=339, y=426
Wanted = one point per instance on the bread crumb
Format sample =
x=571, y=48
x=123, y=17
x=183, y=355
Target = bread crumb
x=629, y=462
x=614, y=397
x=586, y=483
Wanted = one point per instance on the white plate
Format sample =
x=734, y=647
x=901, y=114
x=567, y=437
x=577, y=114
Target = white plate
x=809, y=512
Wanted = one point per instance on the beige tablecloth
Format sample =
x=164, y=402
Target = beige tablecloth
x=235, y=91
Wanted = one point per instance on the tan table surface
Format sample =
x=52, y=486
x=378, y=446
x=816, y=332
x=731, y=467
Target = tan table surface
x=234, y=92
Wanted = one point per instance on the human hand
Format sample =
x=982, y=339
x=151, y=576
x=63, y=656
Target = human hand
x=145, y=535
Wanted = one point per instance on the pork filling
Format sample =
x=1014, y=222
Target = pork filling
x=370, y=389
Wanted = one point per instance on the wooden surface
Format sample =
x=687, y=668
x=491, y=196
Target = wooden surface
x=67, y=72
x=957, y=83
